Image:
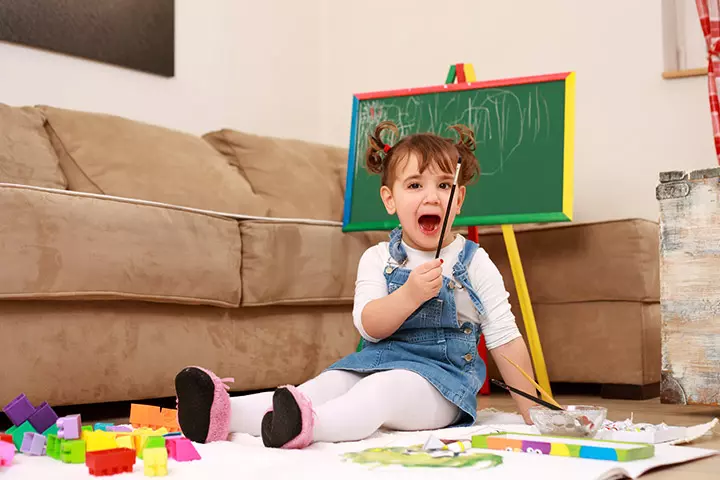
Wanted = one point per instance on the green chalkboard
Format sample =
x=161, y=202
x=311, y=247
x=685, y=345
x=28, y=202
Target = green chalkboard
x=523, y=128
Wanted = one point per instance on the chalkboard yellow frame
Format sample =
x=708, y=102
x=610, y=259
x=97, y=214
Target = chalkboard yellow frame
x=557, y=202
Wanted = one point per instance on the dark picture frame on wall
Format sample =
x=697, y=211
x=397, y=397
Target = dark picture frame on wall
x=135, y=34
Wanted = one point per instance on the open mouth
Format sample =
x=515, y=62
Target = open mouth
x=429, y=224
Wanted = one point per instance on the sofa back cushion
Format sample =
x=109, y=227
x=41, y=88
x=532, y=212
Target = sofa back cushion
x=26, y=155
x=296, y=179
x=117, y=156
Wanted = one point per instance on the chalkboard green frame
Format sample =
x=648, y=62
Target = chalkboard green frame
x=524, y=129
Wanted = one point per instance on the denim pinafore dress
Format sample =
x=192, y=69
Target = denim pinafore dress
x=430, y=342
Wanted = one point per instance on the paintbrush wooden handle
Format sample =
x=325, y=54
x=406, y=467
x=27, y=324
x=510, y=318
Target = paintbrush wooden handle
x=548, y=397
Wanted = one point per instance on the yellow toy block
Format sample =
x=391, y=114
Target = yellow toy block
x=100, y=440
x=125, y=441
x=141, y=434
x=155, y=462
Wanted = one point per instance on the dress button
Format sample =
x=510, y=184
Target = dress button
x=451, y=285
x=467, y=331
x=468, y=357
x=388, y=270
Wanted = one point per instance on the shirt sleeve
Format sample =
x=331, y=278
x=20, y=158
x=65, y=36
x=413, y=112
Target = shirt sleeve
x=369, y=285
x=498, y=324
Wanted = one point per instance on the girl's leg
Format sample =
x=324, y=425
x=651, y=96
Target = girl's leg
x=397, y=399
x=247, y=411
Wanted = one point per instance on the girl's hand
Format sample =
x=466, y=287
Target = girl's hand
x=425, y=281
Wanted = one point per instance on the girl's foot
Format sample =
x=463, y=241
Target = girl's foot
x=203, y=405
x=289, y=423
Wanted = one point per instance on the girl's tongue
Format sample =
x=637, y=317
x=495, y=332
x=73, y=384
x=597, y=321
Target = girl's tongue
x=429, y=224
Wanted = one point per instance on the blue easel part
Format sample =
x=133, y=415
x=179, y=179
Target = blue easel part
x=351, y=162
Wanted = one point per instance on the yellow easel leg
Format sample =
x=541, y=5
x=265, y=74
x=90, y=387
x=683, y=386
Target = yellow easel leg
x=536, y=352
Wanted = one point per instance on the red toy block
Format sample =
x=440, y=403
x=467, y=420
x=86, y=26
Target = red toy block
x=181, y=449
x=110, y=462
x=4, y=437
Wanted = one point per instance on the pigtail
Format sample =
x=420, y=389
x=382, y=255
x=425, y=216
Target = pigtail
x=378, y=150
x=469, y=170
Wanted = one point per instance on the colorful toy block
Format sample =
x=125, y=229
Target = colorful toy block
x=141, y=436
x=53, y=430
x=181, y=449
x=173, y=434
x=110, y=462
x=69, y=428
x=72, y=451
x=19, y=433
x=7, y=453
x=43, y=417
x=100, y=440
x=19, y=410
x=33, y=444
x=155, y=462
x=170, y=420
x=54, y=446
x=6, y=437
x=105, y=427
x=86, y=430
x=155, y=442
x=147, y=416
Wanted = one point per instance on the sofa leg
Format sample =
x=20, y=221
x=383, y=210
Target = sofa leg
x=630, y=392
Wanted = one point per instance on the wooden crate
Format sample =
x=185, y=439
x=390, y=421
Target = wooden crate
x=690, y=286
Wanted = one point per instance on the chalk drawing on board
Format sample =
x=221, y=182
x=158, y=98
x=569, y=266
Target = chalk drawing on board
x=488, y=113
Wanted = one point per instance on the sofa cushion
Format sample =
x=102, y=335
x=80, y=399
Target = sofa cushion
x=301, y=263
x=583, y=262
x=117, y=156
x=78, y=246
x=26, y=155
x=280, y=171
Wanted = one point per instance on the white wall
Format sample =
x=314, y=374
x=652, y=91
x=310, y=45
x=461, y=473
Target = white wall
x=290, y=68
x=238, y=63
x=630, y=123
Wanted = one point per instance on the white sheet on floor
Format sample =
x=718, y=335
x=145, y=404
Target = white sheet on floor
x=245, y=457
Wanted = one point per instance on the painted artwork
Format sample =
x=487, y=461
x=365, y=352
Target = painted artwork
x=136, y=34
x=418, y=456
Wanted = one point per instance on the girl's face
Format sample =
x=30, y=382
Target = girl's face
x=420, y=201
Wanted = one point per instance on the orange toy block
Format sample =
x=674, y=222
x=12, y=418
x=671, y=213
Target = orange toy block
x=169, y=420
x=145, y=416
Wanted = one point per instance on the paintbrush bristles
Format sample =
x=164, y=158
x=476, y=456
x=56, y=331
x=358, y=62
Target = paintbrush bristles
x=547, y=396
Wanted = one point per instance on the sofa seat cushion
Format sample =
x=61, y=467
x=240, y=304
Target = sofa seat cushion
x=26, y=155
x=280, y=171
x=79, y=246
x=301, y=263
x=583, y=262
x=117, y=156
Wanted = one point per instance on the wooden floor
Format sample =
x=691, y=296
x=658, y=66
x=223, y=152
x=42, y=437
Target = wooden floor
x=644, y=411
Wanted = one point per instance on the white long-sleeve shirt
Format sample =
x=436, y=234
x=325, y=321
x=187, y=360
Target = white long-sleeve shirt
x=498, y=324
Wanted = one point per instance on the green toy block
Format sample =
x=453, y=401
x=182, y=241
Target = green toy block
x=155, y=442
x=87, y=428
x=54, y=446
x=72, y=451
x=51, y=431
x=20, y=432
x=10, y=430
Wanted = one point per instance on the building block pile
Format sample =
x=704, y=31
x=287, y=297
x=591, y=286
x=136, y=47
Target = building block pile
x=106, y=449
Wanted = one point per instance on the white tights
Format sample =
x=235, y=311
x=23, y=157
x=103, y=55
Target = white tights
x=352, y=406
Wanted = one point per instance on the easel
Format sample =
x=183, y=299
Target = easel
x=466, y=73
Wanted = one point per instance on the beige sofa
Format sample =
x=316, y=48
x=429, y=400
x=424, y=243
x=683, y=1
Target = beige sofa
x=128, y=251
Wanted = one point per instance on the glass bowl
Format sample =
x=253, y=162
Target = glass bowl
x=574, y=421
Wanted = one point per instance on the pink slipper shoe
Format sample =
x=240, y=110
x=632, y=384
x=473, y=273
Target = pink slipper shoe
x=203, y=405
x=289, y=422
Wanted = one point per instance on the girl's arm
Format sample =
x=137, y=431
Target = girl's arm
x=516, y=351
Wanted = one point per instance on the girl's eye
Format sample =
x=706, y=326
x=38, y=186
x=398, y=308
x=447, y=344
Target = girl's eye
x=444, y=185
x=414, y=186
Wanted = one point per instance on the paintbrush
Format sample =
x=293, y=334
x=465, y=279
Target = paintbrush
x=530, y=379
x=449, y=206
x=526, y=395
x=582, y=419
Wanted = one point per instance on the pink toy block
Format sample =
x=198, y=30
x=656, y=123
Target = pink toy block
x=181, y=449
x=19, y=410
x=43, y=418
x=7, y=453
x=69, y=428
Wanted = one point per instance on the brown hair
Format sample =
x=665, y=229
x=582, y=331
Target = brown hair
x=430, y=149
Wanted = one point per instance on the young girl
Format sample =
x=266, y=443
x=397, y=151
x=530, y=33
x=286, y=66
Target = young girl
x=420, y=319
